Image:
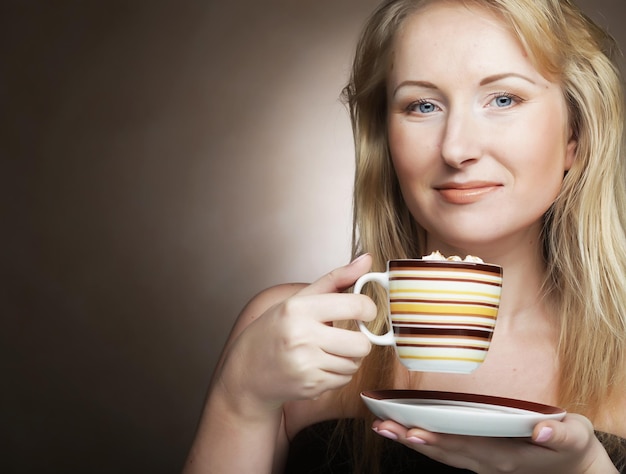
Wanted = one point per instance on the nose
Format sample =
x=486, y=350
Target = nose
x=461, y=143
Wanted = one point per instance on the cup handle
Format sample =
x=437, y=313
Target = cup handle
x=383, y=280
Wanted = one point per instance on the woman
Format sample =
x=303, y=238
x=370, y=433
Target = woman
x=484, y=127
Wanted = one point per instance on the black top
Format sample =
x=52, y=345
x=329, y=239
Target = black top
x=309, y=453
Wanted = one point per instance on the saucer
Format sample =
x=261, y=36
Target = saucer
x=460, y=413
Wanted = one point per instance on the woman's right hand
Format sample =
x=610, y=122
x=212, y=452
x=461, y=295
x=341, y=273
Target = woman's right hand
x=282, y=348
x=292, y=351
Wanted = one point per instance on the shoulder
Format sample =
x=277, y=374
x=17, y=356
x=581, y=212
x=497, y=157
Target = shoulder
x=612, y=419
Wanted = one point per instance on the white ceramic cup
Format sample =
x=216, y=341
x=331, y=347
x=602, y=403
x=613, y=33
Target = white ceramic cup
x=442, y=313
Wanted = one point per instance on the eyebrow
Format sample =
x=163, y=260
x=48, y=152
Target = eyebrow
x=424, y=84
x=497, y=77
x=485, y=81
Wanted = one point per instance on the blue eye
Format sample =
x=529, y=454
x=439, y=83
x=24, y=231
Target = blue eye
x=423, y=107
x=504, y=99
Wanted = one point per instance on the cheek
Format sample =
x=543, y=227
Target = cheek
x=411, y=155
x=538, y=166
x=539, y=143
x=397, y=147
x=548, y=153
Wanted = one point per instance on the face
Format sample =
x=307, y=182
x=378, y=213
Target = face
x=479, y=138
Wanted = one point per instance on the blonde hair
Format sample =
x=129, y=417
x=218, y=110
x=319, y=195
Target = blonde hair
x=584, y=239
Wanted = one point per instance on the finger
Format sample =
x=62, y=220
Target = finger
x=413, y=438
x=345, y=343
x=340, y=278
x=332, y=307
x=325, y=381
x=389, y=429
x=419, y=436
x=572, y=433
x=575, y=439
x=340, y=365
x=392, y=426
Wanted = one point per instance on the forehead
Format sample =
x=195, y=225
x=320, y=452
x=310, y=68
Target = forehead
x=444, y=22
x=450, y=32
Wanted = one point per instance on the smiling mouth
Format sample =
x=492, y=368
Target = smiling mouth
x=466, y=194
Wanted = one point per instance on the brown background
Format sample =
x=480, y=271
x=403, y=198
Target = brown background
x=162, y=161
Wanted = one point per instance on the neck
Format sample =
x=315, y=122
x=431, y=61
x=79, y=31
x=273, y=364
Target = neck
x=523, y=267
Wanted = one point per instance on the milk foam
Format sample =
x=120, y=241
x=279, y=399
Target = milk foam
x=436, y=255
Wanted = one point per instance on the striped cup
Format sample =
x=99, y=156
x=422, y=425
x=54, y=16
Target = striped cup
x=442, y=313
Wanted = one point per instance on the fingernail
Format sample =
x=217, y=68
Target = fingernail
x=386, y=433
x=416, y=440
x=544, y=435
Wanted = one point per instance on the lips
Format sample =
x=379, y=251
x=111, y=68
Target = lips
x=466, y=193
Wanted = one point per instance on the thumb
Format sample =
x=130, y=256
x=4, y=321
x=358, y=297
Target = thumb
x=340, y=278
x=568, y=434
x=574, y=439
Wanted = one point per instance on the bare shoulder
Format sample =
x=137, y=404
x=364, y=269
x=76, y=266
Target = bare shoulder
x=612, y=419
x=616, y=418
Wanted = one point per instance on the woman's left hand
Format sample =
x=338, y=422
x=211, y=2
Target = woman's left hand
x=568, y=446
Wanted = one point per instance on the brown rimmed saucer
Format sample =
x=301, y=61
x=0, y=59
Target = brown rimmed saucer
x=460, y=413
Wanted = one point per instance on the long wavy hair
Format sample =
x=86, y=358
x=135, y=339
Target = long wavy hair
x=584, y=240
